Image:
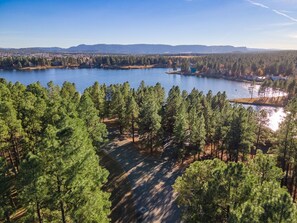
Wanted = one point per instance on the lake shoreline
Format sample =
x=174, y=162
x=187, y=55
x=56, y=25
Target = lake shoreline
x=126, y=67
x=137, y=67
x=277, y=102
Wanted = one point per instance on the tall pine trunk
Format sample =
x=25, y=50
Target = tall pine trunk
x=61, y=202
x=133, y=129
x=151, y=142
x=283, y=183
x=15, y=152
x=294, y=193
x=258, y=139
x=237, y=155
x=38, y=212
x=12, y=163
x=287, y=175
x=62, y=211
x=7, y=216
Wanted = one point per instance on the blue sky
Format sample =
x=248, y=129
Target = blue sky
x=64, y=23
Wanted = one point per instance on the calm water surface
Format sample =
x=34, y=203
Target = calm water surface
x=86, y=77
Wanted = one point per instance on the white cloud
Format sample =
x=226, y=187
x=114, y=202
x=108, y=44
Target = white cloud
x=258, y=4
x=281, y=13
x=285, y=15
x=286, y=11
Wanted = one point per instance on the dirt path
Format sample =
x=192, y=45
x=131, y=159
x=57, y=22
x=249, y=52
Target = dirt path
x=151, y=180
x=123, y=209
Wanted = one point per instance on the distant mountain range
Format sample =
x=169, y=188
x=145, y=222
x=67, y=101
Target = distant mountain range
x=134, y=49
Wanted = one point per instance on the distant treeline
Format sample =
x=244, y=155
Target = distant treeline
x=272, y=63
x=80, y=61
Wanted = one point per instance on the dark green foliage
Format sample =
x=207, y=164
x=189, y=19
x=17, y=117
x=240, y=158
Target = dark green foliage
x=149, y=120
x=90, y=115
x=180, y=129
x=49, y=137
x=98, y=94
x=213, y=191
x=173, y=102
x=197, y=130
x=241, y=136
x=48, y=162
x=287, y=147
x=132, y=114
x=192, y=121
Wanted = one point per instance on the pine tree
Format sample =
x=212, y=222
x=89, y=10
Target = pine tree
x=97, y=94
x=47, y=161
x=12, y=135
x=241, y=135
x=181, y=129
x=173, y=102
x=73, y=175
x=132, y=113
x=89, y=114
x=34, y=193
x=118, y=107
x=215, y=191
x=287, y=142
x=197, y=130
x=149, y=120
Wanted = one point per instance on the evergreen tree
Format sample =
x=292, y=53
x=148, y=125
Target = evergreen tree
x=241, y=136
x=132, y=113
x=118, y=107
x=48, y=164
x=214, y=191
x=89, y=114
x=181, y=129
x=197, y=130
x=7, y=204
x=12, y=135
x=287, y=142
x=149, y=120
x=97, y=94
x=74, y=178
x=34, y=194
x=173, y=102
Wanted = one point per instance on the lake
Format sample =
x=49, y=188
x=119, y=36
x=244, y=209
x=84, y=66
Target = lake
x=86, y=77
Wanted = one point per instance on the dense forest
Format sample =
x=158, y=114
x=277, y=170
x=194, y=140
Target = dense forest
x=255, y=190
x=50, y=137
x=215, y=191
x=236, y=65
x=48, y=162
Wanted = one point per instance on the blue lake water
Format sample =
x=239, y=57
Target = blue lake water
x=86, y=77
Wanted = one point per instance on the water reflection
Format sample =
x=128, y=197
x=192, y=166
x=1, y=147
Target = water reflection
x=275, y=116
